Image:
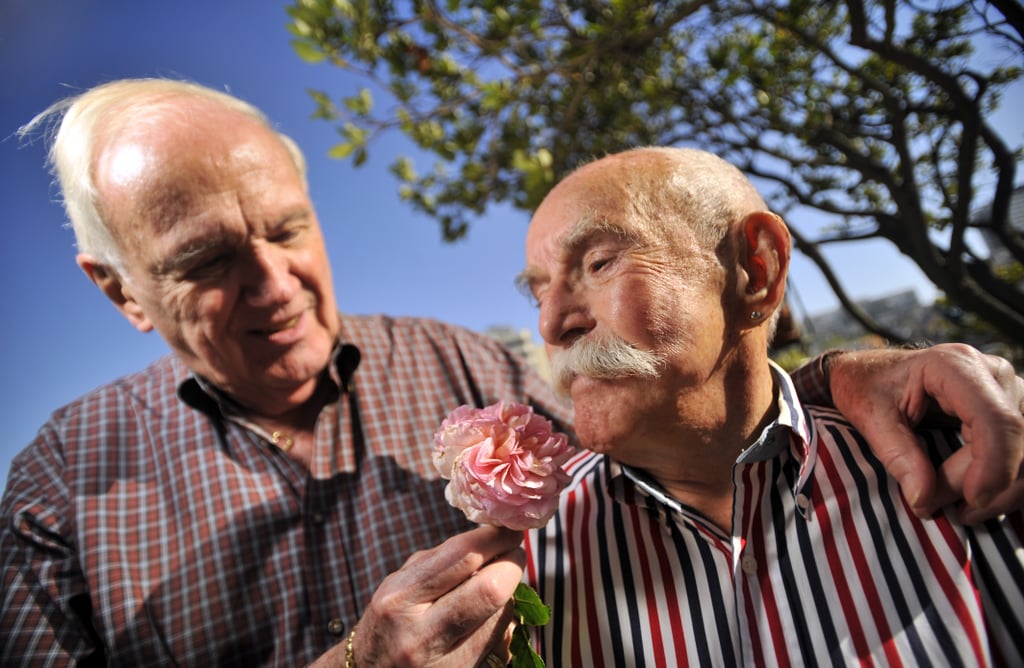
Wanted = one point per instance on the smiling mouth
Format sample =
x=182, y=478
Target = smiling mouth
x=287, y=324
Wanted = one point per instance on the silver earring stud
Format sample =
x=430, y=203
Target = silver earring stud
x=755, y=315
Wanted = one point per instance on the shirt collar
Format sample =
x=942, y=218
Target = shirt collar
x=791, y=428
x=202, y=395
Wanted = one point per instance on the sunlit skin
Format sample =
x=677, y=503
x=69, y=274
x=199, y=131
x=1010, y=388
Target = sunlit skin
x=223, y=253
x=661, y=293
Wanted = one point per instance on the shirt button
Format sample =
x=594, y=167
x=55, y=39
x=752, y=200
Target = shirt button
x=748, y=564
x=336, y=627
x=318, y=518
x=802, y=501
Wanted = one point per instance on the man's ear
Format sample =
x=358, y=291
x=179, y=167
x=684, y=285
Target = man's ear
x=763, y=262
x=110, y=282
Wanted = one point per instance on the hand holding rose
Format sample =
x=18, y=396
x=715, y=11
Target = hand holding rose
x=447, y=606
x=454, y=603
x=505, y=467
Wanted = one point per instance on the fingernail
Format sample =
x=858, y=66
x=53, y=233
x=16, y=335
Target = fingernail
x=970, y=516
x=924, y=512
x=982, y=500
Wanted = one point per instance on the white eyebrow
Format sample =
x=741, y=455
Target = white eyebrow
x=578, y=234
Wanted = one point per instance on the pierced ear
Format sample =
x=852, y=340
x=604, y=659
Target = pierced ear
x=764, y=262
x=112, y=285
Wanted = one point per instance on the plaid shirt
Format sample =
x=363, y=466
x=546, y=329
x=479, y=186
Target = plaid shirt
x=144, y=526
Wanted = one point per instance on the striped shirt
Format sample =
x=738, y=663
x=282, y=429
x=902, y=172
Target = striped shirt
x=824, y=565
x=142, y=527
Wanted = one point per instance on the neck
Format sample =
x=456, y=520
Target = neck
x=295, y=411
x=293, y=430
x=702, y=451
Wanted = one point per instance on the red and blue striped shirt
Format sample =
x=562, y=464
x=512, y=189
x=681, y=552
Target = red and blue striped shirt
x=825, y=564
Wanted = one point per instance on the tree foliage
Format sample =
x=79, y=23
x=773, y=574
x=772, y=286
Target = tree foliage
x=872, y=113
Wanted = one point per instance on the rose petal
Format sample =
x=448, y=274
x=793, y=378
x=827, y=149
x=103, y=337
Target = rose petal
x=503, y=462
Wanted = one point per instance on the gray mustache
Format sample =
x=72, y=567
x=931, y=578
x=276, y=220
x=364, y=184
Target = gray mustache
x=606, y=357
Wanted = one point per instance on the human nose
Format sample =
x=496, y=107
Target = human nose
x=269, y=281
x=564, y=316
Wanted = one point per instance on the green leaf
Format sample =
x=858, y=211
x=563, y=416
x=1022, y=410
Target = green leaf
x=325, y=108
x=528, y=606
x=360, y=104
x=779, y=85
x=307, y=51
x=404, y=169
x=523, y=655
x=342, y=150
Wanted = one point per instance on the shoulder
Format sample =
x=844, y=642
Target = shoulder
x=152, y=386
x=840, y=448
x=383, y=330
x=107, y=410
x=586, y=465
x=384, y=337
x=84, y=431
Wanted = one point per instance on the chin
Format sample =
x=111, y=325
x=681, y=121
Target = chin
x=601, y=448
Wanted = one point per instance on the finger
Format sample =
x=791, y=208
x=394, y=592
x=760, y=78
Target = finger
x=414, y=620
x=1005, y=502
x=474, y=634
x=900, y=451
x=440, y=570
x=984, y=399
x=493, y=660
x=499, y=651
x=997, y=447
x=1005, y=375
x=460, y=613
x=949, y=479
x=993, y=449
x=1009, y=381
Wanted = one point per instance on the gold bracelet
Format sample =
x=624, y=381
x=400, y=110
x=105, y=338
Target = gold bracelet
x=350, y=655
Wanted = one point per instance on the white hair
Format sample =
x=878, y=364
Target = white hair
x=75, y=125
x=700, y=187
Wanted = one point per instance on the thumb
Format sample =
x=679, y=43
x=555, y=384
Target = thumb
x=900, y=451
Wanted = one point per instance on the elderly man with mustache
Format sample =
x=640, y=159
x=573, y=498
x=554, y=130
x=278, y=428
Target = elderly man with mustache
x=715, y=520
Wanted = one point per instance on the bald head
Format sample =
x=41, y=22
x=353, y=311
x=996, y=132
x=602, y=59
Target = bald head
x=659, y=188
x=140, y=111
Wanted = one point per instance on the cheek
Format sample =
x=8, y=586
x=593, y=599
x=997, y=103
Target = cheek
x=313, y=269
x=648, y=313
x=199, y=308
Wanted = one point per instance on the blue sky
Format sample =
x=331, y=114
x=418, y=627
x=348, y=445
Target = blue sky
x=63, y=338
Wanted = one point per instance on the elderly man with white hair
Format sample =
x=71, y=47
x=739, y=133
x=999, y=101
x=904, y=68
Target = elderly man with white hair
x=264, y=495
x=715, y=519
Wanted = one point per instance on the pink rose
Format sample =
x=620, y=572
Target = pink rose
x=504, y=464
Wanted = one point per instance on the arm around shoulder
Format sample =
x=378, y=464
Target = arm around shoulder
x=887, y=393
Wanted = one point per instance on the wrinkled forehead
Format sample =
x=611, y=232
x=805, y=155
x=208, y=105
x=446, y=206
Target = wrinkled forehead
x=164, y=176
x=569, y=221
x=588, y=203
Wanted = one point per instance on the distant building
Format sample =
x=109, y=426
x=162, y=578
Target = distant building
x=999, y=255
x=521, y=341
x=901, y=312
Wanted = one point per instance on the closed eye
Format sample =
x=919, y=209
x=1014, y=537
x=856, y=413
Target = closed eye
x=285, y=235
x=209, y=266
x=598, y=264
x=525, y=288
